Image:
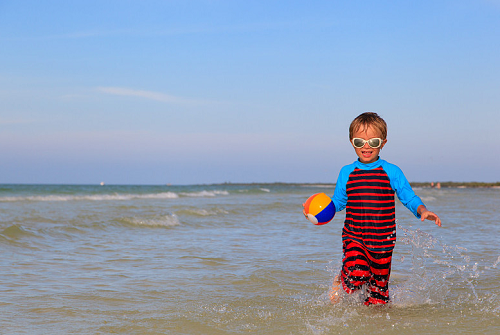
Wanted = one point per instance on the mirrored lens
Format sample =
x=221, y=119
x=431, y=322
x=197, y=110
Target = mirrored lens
x=358, y=142
x=374, y=142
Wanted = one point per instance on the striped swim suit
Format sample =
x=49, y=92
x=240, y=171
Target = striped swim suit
x=369, y=234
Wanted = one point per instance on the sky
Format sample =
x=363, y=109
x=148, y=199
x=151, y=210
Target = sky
x=201, y=92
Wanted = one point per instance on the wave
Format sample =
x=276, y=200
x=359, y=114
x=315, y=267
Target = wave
x=259, y=190
x=168, y=220
x=204, y=193
x=15, y=231
x=112, y=197
x=319, y=185
x=202, y=212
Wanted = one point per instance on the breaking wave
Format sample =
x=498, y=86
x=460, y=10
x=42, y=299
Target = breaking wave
x=112, y=197
x=168, y=220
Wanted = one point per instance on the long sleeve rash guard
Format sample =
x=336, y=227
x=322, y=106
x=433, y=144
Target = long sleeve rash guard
x=366, y=191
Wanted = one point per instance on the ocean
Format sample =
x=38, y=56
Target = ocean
x=234, y=259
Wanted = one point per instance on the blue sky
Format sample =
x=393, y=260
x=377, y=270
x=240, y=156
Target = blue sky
x=185, y=92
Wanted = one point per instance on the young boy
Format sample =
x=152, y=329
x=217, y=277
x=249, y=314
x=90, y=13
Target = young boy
x=366, y=190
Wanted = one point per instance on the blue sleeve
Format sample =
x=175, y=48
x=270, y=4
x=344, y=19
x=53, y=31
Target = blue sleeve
x=403, y=190
x=340, y=195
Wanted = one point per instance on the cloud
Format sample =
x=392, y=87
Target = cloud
x=157, y=96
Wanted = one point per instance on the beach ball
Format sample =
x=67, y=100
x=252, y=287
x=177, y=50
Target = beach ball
x=319, y=209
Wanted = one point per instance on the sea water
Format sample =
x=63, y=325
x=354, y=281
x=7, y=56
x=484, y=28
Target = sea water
x=230, y=259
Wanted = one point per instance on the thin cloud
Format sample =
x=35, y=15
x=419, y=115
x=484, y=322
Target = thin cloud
x=157, y=96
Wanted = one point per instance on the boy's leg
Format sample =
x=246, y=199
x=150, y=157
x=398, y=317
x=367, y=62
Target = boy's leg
x=380, y=267
x=355, y=266
x=335, y=291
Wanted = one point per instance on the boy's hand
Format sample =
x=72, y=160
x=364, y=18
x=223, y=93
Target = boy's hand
x=304, y=210
x=426, y=214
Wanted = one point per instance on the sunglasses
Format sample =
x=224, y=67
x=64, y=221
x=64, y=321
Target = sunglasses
x=372, y=142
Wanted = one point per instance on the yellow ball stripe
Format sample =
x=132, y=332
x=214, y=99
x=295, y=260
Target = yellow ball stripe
x=318, y=203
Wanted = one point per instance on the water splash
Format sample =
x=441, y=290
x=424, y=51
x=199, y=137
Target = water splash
x=440, y=274
x=428, y=272
x=435, y=287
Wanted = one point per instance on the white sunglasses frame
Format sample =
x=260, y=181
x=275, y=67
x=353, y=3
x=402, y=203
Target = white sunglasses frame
x=367, y=141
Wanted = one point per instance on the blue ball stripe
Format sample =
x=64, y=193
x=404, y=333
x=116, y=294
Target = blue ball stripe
x=326, y=214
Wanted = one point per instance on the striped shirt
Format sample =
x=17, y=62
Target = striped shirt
x=367, y=192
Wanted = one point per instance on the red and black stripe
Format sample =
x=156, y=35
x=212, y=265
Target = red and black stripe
x=370, y=210
x=369, y=234
x=361, y=266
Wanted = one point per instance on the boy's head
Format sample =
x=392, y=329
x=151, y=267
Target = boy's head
x=368, y=119
x=368, y=135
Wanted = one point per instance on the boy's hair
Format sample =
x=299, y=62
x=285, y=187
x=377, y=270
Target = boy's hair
x=368, y=119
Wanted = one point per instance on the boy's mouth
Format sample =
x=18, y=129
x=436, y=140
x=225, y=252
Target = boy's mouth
x=366, y=154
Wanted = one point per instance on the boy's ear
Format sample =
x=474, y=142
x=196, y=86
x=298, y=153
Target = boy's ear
x=383, y=143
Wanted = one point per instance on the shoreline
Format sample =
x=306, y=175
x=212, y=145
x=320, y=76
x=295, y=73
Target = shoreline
x=437, y=185
x=453, y=184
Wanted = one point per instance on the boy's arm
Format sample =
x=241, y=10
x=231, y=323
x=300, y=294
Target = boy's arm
x=405, y=193
x=340, y=194
x=408, y=197
x=427, y=214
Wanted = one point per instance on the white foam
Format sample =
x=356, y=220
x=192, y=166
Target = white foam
x=159, y=221
x=95, y=197
x=205, y=193
x=207, y=212
x=319, y=185
x=163, y=195
x=115, y=196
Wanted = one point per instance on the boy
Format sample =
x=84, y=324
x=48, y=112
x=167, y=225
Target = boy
x=366, y=189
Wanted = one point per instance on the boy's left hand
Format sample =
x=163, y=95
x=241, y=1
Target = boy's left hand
x=426, y=214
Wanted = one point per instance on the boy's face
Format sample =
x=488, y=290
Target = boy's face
x=367, y=154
